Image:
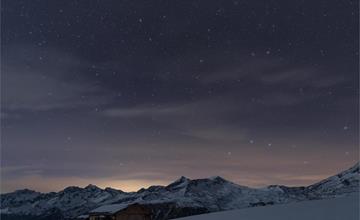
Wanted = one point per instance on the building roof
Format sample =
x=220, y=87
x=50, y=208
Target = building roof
x=110, y=209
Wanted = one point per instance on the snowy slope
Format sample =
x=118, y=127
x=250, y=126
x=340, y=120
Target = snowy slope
x=183, y=197
x=345, y=208
x=344, y=182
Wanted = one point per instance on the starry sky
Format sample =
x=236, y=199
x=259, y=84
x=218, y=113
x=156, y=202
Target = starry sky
x=129, y=93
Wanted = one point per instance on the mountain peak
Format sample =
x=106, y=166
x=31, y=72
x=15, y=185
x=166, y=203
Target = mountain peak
x=25, y=191
x=183, y=179
x=71, y=189
x=218, y=179
x=91, y=187
x=109, y=189
x=181, y=182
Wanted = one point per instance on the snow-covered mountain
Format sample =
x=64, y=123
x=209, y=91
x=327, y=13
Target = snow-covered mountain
x=345, y=182
x=183, y=197
x=69, y=202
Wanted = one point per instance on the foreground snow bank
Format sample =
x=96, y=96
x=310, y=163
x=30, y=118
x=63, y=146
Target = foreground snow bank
x=345, y=208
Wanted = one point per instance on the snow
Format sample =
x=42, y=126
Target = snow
x=111, y=209
x=199, y=195
x=182, y=182
x=345, y=182
x=343, y=208
x=4, y=211
x=100, y=198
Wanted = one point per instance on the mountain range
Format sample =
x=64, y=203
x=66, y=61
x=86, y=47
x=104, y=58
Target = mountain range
x=184, y=197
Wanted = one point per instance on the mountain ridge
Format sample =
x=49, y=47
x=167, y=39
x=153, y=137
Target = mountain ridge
x=182, y=197
x=354, y=168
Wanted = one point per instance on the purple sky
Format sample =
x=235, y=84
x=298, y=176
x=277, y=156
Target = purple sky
x=131, y=93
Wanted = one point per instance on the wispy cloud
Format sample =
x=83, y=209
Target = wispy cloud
x=143, y=111
x=48, y=81
x=272, y=72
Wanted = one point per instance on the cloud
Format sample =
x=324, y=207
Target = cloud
x=283, y=99
x=197, y=119
x=31, y=91
x=33, y=81
x=286, y=75
x=143, y=111
x=239, y=69
x=272, y=72
x=7, y=115
x=224, y=133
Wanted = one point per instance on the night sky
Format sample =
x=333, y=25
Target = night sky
x=129, y=94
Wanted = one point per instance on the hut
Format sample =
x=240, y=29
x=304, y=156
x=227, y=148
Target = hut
x=121, y=212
